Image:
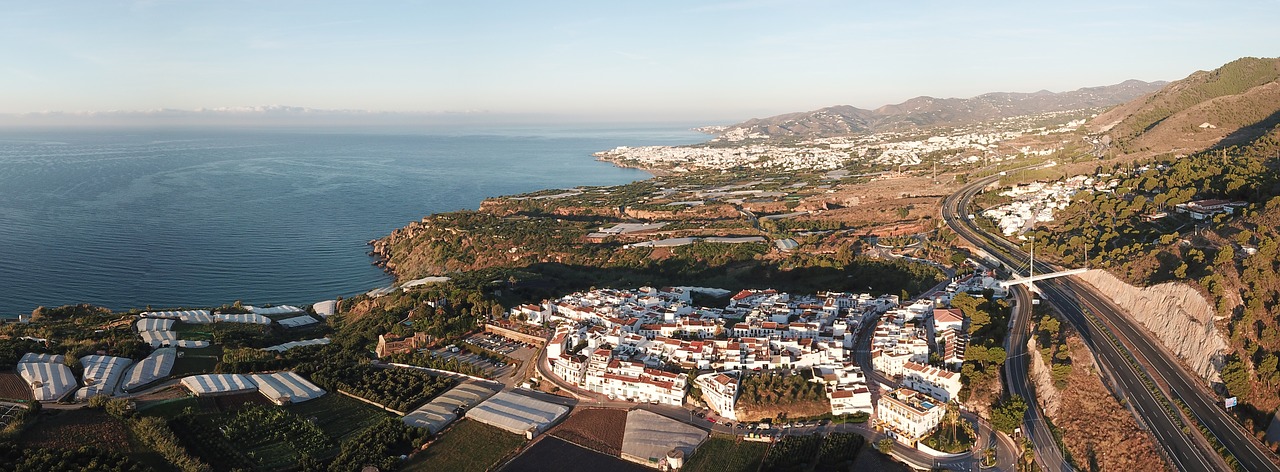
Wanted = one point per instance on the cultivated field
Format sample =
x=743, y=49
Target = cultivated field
x=260, y=439
x=465, y=447
x=552, y=453
x=196, y=361
x=168, y=408
x=793, y=453
x=267, y=437
x=722, y=453
x=340, y=417
x=396, y=388
x=13, y=387
x=73, y=429
x=598, y=429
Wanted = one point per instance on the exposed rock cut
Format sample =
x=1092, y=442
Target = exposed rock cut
x=1046, y=395
x=1180, y=318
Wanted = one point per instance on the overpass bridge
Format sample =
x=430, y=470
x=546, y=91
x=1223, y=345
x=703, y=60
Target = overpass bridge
x=1036, y=278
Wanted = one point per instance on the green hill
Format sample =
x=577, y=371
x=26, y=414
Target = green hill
x=1199, y=111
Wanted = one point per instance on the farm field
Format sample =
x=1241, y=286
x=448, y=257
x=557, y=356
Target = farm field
x=13, y=387
x=73, y=429
x=243, y=433
x=839, y=450
x=339, y=416
x=168, y=408
x=792, y=453
x=551, y=453
x=871, y=459
x=396, y=388
x=722, y=453
x=467, y=446
x=261, y=438
x=238, y=401
x=196, y=361
x=598, y=429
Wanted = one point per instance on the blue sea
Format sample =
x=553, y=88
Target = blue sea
x=131, y=218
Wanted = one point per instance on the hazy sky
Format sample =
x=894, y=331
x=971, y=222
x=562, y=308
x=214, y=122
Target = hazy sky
x=644, y=59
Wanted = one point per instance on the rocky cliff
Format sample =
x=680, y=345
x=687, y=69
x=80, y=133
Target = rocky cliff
x=1046, y=394
x=1178, y=316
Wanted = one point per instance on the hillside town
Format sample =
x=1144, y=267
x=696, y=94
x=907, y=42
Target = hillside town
x=647, y=345
x=960, y=146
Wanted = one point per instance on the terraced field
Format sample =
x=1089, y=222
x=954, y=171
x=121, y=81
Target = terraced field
x=12, y=387
x=74, y=429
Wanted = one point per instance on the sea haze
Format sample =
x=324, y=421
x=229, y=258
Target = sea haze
x=164, y=218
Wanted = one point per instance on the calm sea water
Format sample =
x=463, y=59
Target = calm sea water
x=164, y=218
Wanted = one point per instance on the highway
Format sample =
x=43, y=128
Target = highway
x=1184, y=450
x=1016, y=370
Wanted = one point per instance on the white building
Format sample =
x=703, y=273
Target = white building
x=908, y=416
x=846, y=388
x=948, y=318
x=632, y=381
x=954, y=344
x=720, y=392
x=941, y=384
x=850, y=400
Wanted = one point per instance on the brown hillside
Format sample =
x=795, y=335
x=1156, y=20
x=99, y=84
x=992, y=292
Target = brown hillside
x=1237, y=95
x=1210, y=122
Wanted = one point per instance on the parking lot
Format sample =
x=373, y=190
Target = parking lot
x=500, y=370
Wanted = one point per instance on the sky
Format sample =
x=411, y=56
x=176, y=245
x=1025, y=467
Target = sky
x=646, y=60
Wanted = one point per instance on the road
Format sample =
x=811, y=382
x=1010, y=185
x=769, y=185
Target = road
x=1016, y=371
x=1006, y=450
x=1071, y=298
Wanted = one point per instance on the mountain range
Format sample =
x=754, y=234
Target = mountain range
x=926, y=111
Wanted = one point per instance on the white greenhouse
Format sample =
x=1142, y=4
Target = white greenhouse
x=517, y=413
x=154, y=367
x=242, y=318
x=441, y=411
x=297, y=321
x=185, y=316
x=49, y=381
x=101, y=375
x=283, y=388
x=274, y=310
x=218, y=384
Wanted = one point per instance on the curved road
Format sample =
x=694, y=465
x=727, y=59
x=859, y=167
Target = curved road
x=1016, y=370
x=1072, y=298
x=1006, y=450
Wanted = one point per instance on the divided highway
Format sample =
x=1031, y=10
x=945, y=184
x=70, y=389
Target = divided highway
x=1183, y=449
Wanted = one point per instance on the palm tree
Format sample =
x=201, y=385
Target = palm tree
x=952, y=417
x=885, y=446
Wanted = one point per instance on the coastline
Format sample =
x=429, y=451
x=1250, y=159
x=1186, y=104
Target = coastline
x=553, y=158
x=651, y=171
x=379, y=249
